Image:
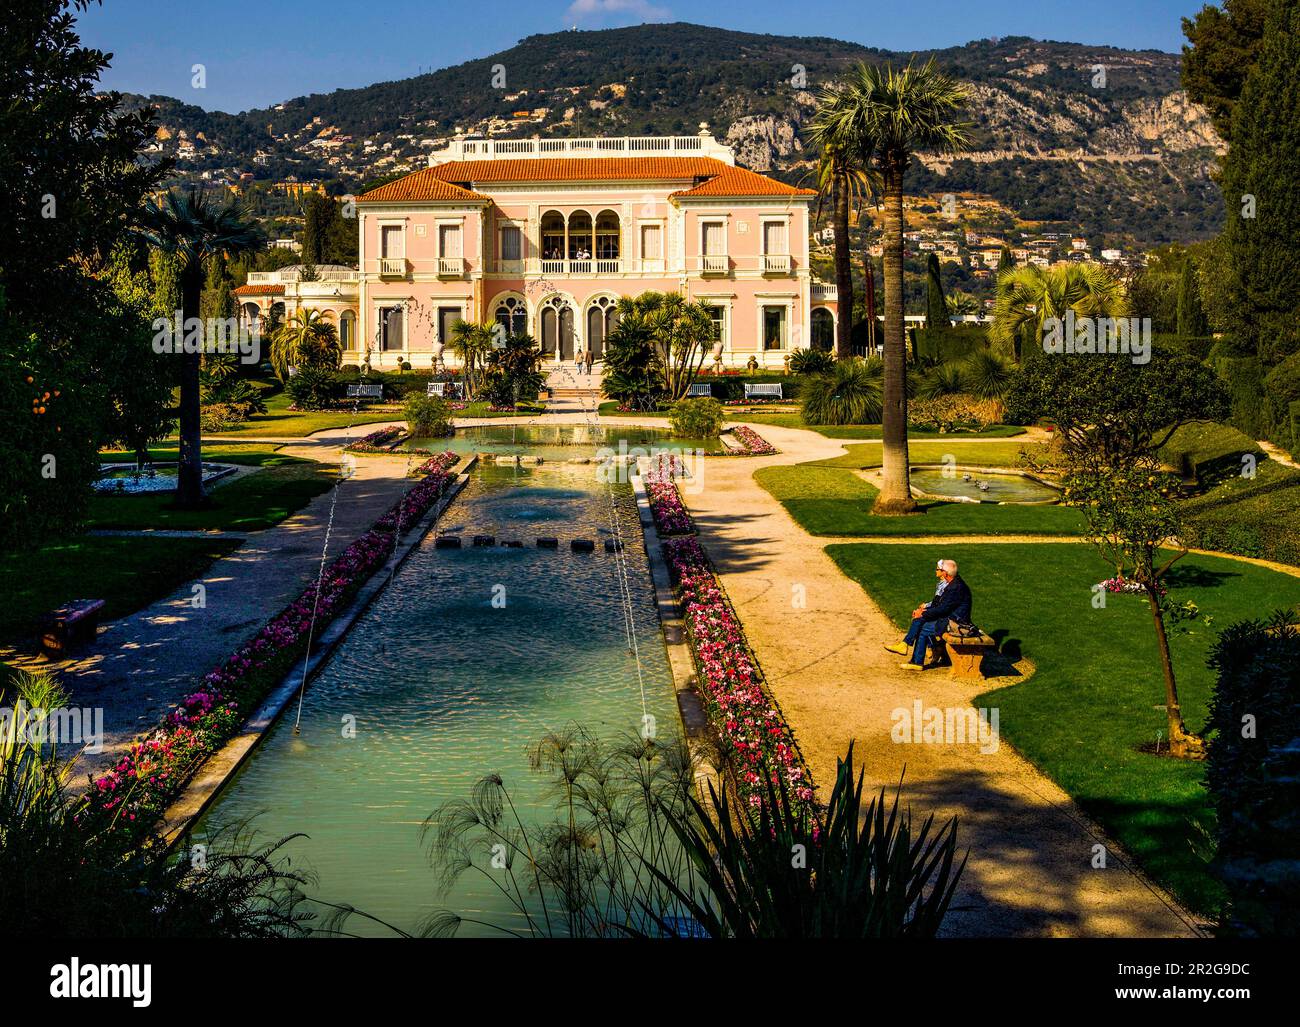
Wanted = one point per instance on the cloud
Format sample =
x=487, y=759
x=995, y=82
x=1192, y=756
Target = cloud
x=604, y=11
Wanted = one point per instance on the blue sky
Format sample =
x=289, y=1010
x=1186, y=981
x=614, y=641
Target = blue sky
x=257, y=52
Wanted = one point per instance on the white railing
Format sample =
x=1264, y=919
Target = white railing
x=825, y=292
x=589, y=266
x=392, y=265
x=776, y=263
x=451, y=265
x=554, y=267
x=286, y=275
x=702, y=145
x=714, y=264
x=609, y=266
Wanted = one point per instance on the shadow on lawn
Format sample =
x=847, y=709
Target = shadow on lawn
x=1196, y=576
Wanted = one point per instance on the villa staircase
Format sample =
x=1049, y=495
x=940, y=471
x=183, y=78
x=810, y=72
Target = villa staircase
x=565, y=383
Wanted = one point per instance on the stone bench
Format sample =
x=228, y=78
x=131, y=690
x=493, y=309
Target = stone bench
x=72, y=624
x=967, y=653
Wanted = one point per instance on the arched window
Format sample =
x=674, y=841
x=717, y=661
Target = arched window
x=579, y=235
x=823, y=329
x=607, y=236
x=557, y=328
x=553, y=235
x=512, y=314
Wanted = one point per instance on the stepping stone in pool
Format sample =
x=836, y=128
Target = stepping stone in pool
x=446, y=542
x=530, y=460
x=485, y=540
x=513, y=543
x=548, y=543
x=582, y=545
x=613, y=545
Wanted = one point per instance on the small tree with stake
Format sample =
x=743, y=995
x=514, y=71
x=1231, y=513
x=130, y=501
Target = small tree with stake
x=1113, y=417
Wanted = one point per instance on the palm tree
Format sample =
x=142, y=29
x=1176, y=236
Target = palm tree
x=886, y=116
x=683, y=331
x=195, y=230
x=1029, y=295
x=842, y=178
x=472, y=343
x=305, y=340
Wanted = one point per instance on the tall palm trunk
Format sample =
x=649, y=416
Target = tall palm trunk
x=843, y=273
x=189, y=472
x=895, y=491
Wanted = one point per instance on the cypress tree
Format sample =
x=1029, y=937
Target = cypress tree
x=1261, y=189
x=1191, y=317
x=1005, y=260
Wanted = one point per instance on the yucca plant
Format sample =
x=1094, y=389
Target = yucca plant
x=941, y=380
x=845, y=872
x=986, y=375
x=852, y=393
x=811, y=361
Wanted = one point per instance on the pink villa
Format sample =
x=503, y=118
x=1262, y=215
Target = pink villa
x=545, y=235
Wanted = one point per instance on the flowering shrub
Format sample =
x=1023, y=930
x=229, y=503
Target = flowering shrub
x=136, y=791
x=380, y=441
x=670, y=515
x=746, y=718
x=755, y=444
x=1123, y=586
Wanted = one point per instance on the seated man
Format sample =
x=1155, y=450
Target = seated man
x=952, y=601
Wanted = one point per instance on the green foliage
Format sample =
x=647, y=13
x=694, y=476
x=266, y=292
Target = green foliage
x=949, y=344
x=936, y=306
x=870, y=873
x=811, y=361
x=985, y=375
x=1263, y=162
x=314, y=388
x=633, y=369
x=1249, y=516
x=696, y=418
x=1225, y=44
x=1253, y=774
x=307, y=339
x=1028, y=296
x=1282, y=391
x=513, y=372
x=1243, y=378
x=852, y=393
x=1206, y=451
x=940, y=380
x=1191, y=318
x=427, y=416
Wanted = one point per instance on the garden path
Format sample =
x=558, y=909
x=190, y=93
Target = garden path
x=1031, y=848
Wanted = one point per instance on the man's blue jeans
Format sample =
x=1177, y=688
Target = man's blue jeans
x=923, y=634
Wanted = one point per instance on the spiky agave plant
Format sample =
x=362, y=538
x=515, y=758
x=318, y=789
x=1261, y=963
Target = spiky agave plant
x=941, y=380
x=987, y=375
x=852, y=393
x=864, y=873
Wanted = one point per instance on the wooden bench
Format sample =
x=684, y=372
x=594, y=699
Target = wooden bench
x=700, y=389
x=967, y=653
x=72, y=624
x=363, y=390
x=767, y=390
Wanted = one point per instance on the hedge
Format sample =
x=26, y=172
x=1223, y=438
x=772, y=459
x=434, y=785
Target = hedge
x=948, y=344
x=1244, y=377
x=1206, y=451
x=1253, y=775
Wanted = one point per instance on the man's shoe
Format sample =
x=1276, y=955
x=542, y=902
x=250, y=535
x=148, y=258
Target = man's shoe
x=909, y=665
x=901, y=648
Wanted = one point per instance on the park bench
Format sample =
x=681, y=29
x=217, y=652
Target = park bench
x=364, y=390
x=763, y=390
x=967, y=653
x=72, y=624
x=700, y=389
x=443, y=390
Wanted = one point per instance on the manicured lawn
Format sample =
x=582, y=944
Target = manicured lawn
x=609, y=408
x=284, y=485
x=127, y=573
x=975, y=454
x=279, y=420
x=481, y=410
x=793, y=419
x=831, y=500
x=1094, y=696
x=1250, y=516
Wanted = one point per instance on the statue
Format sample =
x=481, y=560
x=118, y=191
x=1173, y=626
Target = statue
x=753, y=363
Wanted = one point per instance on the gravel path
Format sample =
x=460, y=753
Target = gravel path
x=1031, y=848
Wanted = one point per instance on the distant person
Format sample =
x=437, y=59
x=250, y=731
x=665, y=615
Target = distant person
x=578, y=362
x=590, y=359
x=951, y=602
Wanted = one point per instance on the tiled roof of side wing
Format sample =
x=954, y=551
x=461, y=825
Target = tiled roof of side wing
x=719, y=179
x=419, y=185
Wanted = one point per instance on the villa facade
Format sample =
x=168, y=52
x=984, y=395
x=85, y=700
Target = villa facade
x=546, y=235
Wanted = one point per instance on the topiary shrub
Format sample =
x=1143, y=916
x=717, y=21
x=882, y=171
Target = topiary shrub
x=697, y=418
x=427, y=417
x=217, y=417
x=313, y=388
x=1253, y=775
x=953, y=413
x=1244, y=377
x=852, y=393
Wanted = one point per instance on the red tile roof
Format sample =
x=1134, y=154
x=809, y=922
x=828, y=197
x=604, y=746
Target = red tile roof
x=709, y=177
x=259, y=290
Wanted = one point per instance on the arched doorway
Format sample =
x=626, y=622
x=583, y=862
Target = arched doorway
x=512, y=314
x=557, y=329
x=601, y=318
x=823, y=329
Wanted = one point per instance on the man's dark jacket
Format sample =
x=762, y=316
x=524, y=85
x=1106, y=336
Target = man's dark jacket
x=954, y=604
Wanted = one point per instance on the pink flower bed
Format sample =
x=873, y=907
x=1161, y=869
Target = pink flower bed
x=745, y=717
x=376, y=442
x=755, y=444
x=138, y=788
x=670, y=515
